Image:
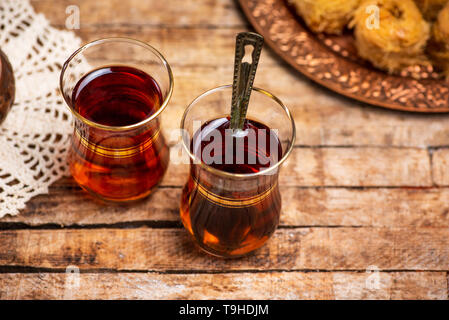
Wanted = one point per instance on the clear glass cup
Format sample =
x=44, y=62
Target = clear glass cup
x=232, y=214
x=117, y=162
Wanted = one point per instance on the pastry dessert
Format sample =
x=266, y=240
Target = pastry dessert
x=329, y=16
x=438, y=48
x=399, y=38
x=430, y=8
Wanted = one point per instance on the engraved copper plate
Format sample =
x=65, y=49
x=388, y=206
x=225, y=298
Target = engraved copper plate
x=332, y=61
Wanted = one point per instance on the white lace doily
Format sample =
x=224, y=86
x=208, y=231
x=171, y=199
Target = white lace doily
x=35, y=135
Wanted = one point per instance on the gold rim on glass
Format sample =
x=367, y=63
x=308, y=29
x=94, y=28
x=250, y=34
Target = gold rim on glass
x=239, y=175
x=125, y=40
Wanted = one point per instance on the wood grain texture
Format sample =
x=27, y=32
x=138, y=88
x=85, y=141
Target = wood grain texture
x=357, y=167
x=171, y=249
x=276, y=285
x=350, y=167
x=221, y=13
x=376, y=207
x=364, y=187
x=322, y=117
x=440, y=167
x=73, y=207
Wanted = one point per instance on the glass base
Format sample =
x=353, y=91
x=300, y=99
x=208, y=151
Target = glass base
x=106, y=200
x=224, y=256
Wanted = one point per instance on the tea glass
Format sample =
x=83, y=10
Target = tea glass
x=231, y=214
x=117, y=163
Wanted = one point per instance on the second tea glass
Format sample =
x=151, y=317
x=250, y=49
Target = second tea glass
x=117, y=162
x=232, y=214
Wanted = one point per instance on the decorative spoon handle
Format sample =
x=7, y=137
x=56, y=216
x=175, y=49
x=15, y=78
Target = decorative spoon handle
x=244, y=74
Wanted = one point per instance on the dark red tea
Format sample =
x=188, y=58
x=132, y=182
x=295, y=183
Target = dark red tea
x=117, y=96
x=256, y=148
x=118, y=164
x=229, y=216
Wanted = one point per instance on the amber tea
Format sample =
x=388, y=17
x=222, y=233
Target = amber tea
x=124, y=165
x=226, y=217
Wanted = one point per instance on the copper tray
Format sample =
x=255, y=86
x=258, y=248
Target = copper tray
x=332, y=61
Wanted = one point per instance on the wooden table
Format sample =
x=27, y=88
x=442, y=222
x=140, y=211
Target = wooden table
x=365, y=189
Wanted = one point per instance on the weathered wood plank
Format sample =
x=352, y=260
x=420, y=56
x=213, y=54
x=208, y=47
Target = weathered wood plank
x=74, y=207
x=322, y=118
x=389, y=208
x=223, y=13
x=344, y=167
x=306, y=167
x=404, y=241
x=440, y=167
x=357, y=167
x=395, y=285
x=171, y=249
x=276, y=285
x=377, y=207
x=434, y=284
